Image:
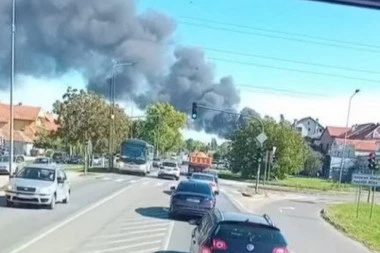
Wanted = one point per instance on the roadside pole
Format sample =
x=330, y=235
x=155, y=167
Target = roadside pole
x=266, y=166
x=358, y=203
x=372, y=202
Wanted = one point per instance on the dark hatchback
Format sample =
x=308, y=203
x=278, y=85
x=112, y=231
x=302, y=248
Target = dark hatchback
x=232, y=232
x=192, y=199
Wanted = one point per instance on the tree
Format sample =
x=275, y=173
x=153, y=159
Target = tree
x=162, y=127
x=213, y=144
x=48, y=140
x=85, y=116
x=137, y=128
x=290, y=152
x=313, y=162
x=192, y=145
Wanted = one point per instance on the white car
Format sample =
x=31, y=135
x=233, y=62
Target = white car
x=18, y=163
x=169, y=169
x=38, y=184
x=205, y=177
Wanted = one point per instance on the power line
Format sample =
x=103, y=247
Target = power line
x=297, y=70
x=292, y=61
x=288, y=91
x=279, y=37
x=284, y=33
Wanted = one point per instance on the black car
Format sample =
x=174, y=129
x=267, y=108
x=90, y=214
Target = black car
x=230, y=232
x=191, y=198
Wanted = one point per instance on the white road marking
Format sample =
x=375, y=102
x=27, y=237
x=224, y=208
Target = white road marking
x=120, y=180
x=145, y=226
x=145, y=182
x=105, y=178
x=129, y=233
x=160, y=184
x=286, y=208
x=133, y=181
x=70, y=219
x=126, y=240
x=126, y=247
x=143, y=222
x=237, y=203
x=170, y=232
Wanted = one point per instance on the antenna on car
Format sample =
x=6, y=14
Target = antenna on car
x=268, y=219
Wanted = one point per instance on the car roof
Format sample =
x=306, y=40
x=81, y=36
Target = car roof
x=44, y=166
x=193, y=182
x=247, y=217
x=202, y=174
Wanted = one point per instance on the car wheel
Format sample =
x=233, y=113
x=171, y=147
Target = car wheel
x=9, y=203
x=172, y=216
x=143, y=174
x=52, y=203
x=177, y=178
x=67, y=199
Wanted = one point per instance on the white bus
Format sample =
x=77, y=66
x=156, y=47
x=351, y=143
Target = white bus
x=136, y=156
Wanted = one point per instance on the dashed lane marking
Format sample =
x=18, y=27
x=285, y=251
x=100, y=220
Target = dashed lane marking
x=70, y=219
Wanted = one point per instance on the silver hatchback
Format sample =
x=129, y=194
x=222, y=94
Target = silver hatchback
x=38, y=184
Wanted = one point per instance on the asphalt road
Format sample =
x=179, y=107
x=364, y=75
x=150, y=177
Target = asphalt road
x=122, y=213
x=304, y=229
x=111, y=213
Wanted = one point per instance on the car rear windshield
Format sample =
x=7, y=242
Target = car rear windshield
x=202, y=177
x=168, y=164
x=195, y=188
x=249, y=232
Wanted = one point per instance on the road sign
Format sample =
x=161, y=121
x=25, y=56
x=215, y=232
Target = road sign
x=261, y=138
x=366, y=180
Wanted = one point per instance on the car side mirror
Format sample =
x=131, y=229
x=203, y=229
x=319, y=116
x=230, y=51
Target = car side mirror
x=60, y=180
x=172, y=188
x=195, y=222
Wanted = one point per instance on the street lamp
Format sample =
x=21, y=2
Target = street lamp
x=11, y=107
x=112, y=117
x=345, y=136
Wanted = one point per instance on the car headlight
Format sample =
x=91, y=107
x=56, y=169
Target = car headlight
x=9, y=187
x=45, y=191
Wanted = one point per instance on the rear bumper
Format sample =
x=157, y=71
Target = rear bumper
x=34, y=199
x=179, y=210
x=167, y=175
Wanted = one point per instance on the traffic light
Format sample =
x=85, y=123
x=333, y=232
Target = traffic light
x=259, y=155
x=194, y=112
x=372, y=162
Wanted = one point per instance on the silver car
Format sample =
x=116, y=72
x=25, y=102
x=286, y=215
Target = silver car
x=17, y=164
x=38, y=184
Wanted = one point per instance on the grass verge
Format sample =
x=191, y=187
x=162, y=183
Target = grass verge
x=343, y=217
x=302, y=183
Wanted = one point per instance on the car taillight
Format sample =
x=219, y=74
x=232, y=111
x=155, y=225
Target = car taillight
x=212, y=184
x=206, y=249
x=281, y=250
x=219, y=244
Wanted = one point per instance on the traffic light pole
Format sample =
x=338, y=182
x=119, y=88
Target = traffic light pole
x=258, y=172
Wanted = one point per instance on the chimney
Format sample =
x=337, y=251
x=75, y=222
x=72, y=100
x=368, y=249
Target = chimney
x=19, y=104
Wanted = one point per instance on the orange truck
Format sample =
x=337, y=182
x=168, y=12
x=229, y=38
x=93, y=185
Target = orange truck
x=198, y=161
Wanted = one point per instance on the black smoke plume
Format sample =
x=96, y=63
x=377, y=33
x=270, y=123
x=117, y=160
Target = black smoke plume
x=56, y=36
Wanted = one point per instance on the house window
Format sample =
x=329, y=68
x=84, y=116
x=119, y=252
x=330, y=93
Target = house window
x=308, y=129
x=308, y=123
x=299, y=129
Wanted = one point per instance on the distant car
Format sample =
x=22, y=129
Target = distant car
x=157, y=162
x=43, y=160
x=38, y=184
x=17, y=164
x=224, y=232
x=204, y=177
x=169, y=169
x=191, y=198
x=212, y=172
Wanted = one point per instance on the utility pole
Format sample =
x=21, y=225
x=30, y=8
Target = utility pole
x=345, y=137
x=11, y=107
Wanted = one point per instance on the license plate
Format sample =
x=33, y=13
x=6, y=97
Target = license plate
x=193, y=200
x=23, y=196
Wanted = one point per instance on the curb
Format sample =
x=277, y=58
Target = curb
x=325, y=217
